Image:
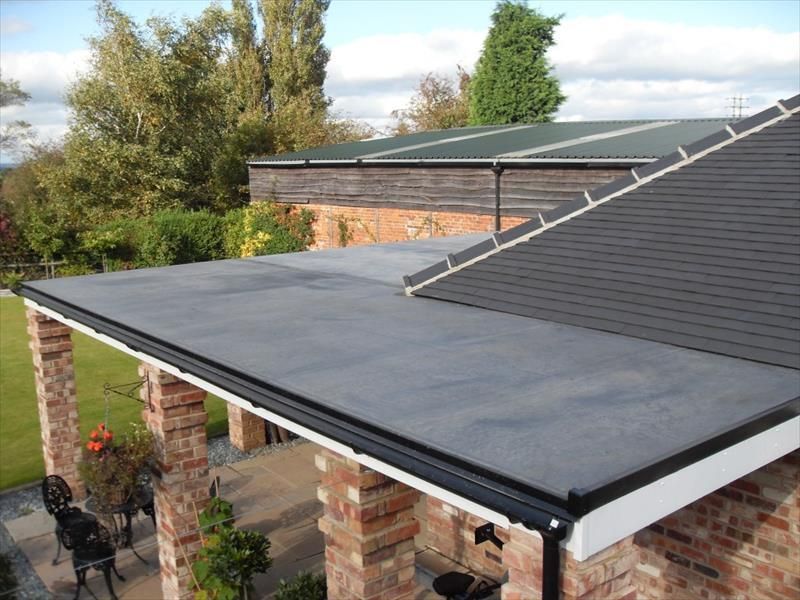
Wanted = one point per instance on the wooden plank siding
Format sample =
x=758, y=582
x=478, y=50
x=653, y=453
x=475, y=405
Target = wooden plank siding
x=524, y=192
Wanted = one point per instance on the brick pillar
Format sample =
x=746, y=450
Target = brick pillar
x=369, y=529
x=247, y=431
x=607, y=574
x=51, y=346
x=178, y=422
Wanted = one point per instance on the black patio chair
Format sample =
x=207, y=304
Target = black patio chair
x=92, y=547
x=455, y=586
x=57, y=495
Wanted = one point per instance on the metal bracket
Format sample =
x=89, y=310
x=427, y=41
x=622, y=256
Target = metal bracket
x=128, y=390
x=486, y=533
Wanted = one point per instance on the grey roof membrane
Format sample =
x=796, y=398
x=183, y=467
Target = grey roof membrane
x=551, y=405
x=706, y=256
x=642, y=139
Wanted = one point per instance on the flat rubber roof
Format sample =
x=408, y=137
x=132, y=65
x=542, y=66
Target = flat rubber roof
x=558, y=409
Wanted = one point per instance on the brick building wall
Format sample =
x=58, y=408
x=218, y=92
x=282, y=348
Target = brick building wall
x=338, y=226
x=742, y=541
x=739, y=542
x=451, y=532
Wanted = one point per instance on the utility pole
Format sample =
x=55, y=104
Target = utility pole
x=736, y=106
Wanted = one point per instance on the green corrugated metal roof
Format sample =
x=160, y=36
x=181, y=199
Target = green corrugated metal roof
x=589, y=140
x=352, y=150
x=653, y=143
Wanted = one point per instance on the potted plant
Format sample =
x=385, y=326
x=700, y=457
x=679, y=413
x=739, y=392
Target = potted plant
x=230, y=557
x=112, y=466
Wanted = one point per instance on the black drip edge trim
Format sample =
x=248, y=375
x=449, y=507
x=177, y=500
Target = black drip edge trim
x=519, y=502
x=583, y=501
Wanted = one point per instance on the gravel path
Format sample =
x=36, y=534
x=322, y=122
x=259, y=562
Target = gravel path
x=25, y=501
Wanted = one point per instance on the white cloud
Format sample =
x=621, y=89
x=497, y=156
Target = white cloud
x=44, y=75
x=620, y=48
x=610, y=67
x=402, y=57
x=12, y=25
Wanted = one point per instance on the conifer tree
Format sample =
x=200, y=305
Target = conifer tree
x=513, y=80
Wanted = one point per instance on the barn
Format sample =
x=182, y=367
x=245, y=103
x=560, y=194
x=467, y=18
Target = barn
x=458, y=181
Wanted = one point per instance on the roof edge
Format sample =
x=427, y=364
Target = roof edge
x=638, y=177
x=518, y=501
x=444, y=162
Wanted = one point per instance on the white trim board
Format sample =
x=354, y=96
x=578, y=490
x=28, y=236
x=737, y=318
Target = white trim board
x=632, y=512
x=590, y=534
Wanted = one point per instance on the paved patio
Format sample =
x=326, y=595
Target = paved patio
x=274, y=493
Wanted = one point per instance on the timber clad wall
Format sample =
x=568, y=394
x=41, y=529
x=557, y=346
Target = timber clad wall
x=524, y=192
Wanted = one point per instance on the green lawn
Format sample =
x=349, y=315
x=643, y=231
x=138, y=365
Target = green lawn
x=95, y=365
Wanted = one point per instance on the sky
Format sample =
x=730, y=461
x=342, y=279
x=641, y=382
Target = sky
x=615, y=59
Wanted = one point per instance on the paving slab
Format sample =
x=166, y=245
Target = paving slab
x=273, y=493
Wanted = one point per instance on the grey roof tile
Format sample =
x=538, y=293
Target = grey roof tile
x=706, y=256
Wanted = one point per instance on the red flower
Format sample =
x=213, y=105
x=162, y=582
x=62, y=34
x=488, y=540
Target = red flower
x=101, y=426
x=93, y=435
x=107, y=435
x=90, y=445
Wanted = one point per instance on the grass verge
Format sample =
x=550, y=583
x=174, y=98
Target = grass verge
x=95, y=365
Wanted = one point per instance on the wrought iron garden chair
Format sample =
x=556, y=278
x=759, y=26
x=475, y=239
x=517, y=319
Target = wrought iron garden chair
x=455, y=586
x=92, y=547
x=57, y=495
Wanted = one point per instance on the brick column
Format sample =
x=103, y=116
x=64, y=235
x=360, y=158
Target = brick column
x=369, y=529
x=181, y=480
x=246, y=430
x=607, y=574
x=51, y=346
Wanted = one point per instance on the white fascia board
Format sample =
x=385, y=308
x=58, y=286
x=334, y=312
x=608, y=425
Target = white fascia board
x=593, y=532
x=646, y=505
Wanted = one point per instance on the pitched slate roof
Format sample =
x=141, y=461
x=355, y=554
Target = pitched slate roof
x=700, y=250
x=642, y=141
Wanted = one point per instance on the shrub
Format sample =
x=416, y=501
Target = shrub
x=303, y=586
x=229, y=558
x=174, y=237
x=72, y=269
x=267, y=228
x=118, y=241
x=11, y=279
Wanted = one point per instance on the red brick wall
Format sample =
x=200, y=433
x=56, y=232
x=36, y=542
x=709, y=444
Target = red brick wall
x=742, y=541
x=451, y=532
x=365, y=225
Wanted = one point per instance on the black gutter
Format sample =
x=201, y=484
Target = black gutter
x=498, y=171
x=520, y=503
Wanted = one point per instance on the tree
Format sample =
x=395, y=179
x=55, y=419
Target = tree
x=148, y=117
x=436, y=105
x=16, y=131
x=247, y=63
x=297, y=59
x=513, y=82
